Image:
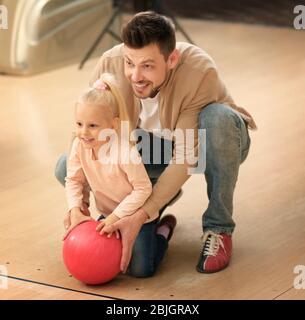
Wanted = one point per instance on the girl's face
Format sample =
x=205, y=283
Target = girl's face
x=90, y=120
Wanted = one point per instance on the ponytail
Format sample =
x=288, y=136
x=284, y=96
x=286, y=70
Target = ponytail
x=119, y=108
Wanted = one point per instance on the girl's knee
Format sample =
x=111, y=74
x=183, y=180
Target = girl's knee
x=61, y=169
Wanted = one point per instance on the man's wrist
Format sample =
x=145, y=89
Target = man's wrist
x=142, y=213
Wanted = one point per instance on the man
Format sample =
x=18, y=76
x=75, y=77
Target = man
x=176, y=86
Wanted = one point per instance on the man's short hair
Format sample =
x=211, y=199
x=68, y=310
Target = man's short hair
x=147, y=28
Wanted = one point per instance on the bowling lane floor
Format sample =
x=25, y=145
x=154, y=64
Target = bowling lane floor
x=265, y=74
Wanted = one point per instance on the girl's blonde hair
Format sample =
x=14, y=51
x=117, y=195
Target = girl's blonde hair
x=105, y=92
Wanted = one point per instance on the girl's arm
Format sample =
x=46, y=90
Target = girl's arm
x=75, y=179
x=142, y=188
x=76, y=192
x=77, y=188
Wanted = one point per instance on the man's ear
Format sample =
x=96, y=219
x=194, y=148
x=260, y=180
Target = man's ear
x=173, y=59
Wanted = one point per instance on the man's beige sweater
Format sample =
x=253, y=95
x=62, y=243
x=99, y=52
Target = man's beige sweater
x=190, y=86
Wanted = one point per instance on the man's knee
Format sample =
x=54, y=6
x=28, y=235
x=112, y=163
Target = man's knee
x=226, y=131
x=217, y=115
x=61, y=169
x=142, y=261
x=141, y=270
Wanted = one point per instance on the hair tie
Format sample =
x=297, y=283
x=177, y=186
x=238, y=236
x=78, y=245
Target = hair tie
x=100, y=85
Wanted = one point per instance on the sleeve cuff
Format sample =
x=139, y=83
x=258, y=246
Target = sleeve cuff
x=151, y=209
x=75, y=205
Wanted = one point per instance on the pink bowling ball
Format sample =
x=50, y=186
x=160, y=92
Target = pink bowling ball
x=90, y=257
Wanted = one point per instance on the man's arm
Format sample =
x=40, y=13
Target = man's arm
x=176, y=173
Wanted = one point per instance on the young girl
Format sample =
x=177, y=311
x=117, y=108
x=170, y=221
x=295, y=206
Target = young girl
x=120, y=187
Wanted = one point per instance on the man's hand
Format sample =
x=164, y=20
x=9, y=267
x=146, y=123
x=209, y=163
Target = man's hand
x=73, y=218
x=129, y=228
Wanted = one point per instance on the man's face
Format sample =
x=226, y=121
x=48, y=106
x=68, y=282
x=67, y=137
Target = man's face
x=146, y=69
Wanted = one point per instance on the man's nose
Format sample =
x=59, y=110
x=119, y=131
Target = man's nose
x=136, y=75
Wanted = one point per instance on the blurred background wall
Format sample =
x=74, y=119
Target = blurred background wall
x=47, y=34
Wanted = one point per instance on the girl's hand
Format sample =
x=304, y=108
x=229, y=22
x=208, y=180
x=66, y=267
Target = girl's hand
x=67, y=220
x=73, y=218
x=106, y=222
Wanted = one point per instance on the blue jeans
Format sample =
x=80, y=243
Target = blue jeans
x=227, y=146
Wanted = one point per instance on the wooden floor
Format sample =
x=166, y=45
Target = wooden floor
x=264, y=68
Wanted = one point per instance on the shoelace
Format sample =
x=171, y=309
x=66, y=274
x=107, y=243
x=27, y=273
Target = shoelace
x=211, y=241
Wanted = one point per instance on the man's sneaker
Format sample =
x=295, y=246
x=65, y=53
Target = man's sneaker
x=216, y=252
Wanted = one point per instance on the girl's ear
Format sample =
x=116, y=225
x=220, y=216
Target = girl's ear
x=115, y=123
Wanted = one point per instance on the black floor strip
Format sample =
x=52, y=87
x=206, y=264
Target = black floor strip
x=63, y=288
